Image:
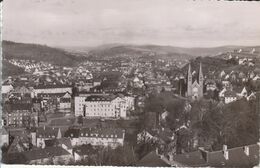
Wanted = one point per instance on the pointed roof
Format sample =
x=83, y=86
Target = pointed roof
x=200, y=73
x=189, y=71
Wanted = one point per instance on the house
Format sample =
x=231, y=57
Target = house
x=146, y=136
x=7, y=88
x=230, y=96
x=65, y=101
x=20, y=114
x=244, y=156
x=82, y=152
x=44, y=134
x=20, y=143
x=22, y=91
x=243, y=93
x=52, y=89
x=96, y=137
x=103, y=106
x=4, y=137
x=152, y=160
x=50, y=155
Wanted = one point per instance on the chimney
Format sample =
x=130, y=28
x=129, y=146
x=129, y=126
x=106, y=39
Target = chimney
x=157, y=153
x=44, y=127
x=225, y=152
x=246, y=150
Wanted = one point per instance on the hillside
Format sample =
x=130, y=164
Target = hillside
x=39, y=53
x=10, y=70
x=214, y=64
x=135, y=51
x=110, y=50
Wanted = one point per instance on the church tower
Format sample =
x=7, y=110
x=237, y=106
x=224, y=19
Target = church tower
x=201, y=80
x=189, y=83
x=195, y=89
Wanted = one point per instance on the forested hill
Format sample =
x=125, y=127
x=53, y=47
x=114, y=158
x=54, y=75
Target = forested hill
x=39, y=53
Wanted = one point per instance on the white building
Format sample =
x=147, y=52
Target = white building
x=97, y=137
x=230, y=96
x=65, y=101
x=103, y=106
x=4, y=137
x=45, y=133
x=7, y=88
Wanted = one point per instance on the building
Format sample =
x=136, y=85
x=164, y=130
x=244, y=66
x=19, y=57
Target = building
x=82, y=152
x=230, y=96
x=103, y=106
x=195, y=84
x=52, y=89
x=244, y=156
x=22, y=92
x=96, y=137
x=6, y=88
x=4, y=137
x=20, y=115
x=152, y=159
x=43, y=134
x=65, y=101
x=50, y=155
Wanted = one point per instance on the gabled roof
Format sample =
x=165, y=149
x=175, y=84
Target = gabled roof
x=237, y=157
x=152, y=160
x=52, y=86
x=47, y=132
x=193, y=159
x=98, y=98
x=230, y=93
x=95, y=132
x=48, y=152
x=3, y=131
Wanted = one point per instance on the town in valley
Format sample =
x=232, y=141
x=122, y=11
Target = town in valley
x=127, y=102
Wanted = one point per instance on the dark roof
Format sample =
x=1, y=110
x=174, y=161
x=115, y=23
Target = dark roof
x=190, y=159
x=51, y=94
x=44, y=153
x=47, y=132
x=52, y=86
x=152, y=160
x=237, y=157
x=21, y=106
x=95, y=132
x=230, y=93
x=98, y=98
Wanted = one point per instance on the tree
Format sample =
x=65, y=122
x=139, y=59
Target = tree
x=80, y=120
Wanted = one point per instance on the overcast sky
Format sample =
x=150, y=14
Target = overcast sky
x=165, y=22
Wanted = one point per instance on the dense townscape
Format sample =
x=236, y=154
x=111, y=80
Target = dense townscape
x=133, y=110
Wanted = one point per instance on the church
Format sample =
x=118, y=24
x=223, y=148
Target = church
x=195, y=84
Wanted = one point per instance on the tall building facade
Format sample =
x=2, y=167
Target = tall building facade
x=195, y=84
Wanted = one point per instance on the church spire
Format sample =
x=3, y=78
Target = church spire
x=200, y=73
x=189, y=70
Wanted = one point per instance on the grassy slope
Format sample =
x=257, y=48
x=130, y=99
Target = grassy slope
x=39, y=53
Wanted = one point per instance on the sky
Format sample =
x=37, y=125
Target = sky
x=164, y=22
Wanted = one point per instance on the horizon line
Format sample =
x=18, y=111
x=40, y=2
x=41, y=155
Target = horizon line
x=137, y=44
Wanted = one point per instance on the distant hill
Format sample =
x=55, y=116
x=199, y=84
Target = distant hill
x=9, y=69
x=215, y=64
x=110, y=50
x=39, y=53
